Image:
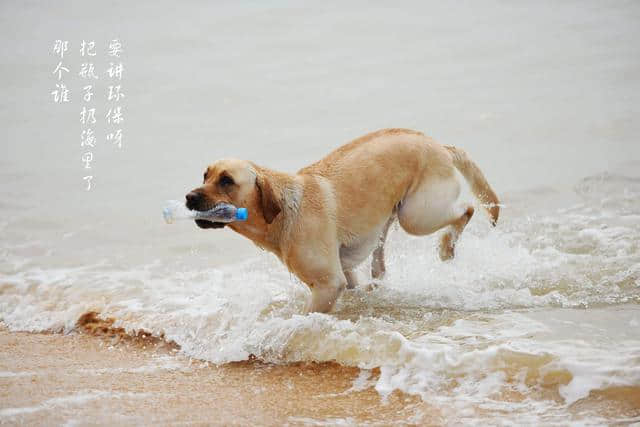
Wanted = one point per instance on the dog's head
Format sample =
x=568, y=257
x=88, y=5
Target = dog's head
x=239, y=183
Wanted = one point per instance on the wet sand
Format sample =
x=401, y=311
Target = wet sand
x=99, y=376
x=78, y=378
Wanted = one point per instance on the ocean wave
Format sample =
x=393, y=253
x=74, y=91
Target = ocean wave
x=485, y=322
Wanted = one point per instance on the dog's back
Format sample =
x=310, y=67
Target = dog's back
x=372, y=174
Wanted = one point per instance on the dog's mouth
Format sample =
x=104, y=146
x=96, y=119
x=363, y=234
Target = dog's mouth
x=203, y=223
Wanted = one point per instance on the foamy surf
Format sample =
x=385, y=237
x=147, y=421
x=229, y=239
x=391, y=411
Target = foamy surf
x=545, y=308
x=73, y=400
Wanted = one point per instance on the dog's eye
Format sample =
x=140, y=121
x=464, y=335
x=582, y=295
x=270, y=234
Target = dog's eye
x=225, y=181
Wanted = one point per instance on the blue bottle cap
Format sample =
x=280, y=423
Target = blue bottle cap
x=242, y=214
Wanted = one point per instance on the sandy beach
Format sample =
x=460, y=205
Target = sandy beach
x=78, y=379
x=100, y=376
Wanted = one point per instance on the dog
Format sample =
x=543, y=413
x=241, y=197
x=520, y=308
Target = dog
x=330, y=216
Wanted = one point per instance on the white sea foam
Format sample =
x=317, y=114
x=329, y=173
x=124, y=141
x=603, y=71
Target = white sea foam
x=164, y=363
x=65, y=401
x=506, y=313
x=10, y=374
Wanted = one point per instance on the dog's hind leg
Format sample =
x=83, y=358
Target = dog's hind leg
x=352, y=279
x=433, y=206
x=450, y=237
x=377, y=262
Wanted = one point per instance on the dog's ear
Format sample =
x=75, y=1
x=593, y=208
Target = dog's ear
x=268, y=200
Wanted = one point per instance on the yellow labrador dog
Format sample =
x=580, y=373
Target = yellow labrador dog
x=330, y=216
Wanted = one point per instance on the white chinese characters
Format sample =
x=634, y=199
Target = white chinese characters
x=89, y=90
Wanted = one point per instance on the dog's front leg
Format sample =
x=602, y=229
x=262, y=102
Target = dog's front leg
x=325, y=295
x=325, y=279
x=315, y=259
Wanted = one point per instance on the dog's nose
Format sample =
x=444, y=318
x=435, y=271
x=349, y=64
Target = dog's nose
x=193, y=199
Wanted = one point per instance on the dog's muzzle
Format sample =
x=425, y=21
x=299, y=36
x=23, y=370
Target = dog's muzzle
x=196, y=201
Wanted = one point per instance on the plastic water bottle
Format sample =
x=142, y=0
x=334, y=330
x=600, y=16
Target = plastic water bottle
x=222, y=212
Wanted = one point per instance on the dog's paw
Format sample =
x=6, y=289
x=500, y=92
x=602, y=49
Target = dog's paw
x=447, y=249
x=372, y=286
x=378, y=271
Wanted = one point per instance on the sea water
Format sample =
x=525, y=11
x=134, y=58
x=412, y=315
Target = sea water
x=543, y=97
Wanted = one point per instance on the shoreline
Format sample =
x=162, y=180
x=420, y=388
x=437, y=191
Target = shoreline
x=50, y=378
x=99, y=374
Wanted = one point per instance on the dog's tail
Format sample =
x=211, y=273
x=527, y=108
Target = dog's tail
x=476, y=180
